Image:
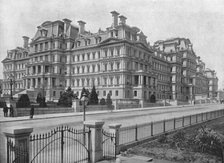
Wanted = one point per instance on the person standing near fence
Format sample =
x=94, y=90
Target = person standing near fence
x=31, y=111
x=5, y=110
x=11, y=111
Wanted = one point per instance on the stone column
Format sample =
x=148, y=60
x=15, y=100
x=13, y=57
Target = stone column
x=20, y=136
x=115, y=129
x=96, y=139
x=36, y=83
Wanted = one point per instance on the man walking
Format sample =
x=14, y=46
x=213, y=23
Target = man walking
x=31, y=112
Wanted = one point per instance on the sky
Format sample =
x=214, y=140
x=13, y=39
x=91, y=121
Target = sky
x=202, y=21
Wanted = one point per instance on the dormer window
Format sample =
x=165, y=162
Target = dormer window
x=43, y=32
x=78, y=43
x=111, y=34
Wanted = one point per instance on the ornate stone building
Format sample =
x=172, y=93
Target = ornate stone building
x=117, y=60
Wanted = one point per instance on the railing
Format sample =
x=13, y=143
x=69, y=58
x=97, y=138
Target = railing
x=135, y=133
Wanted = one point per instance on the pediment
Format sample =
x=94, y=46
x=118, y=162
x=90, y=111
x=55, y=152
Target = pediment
x=39, y=39
x=110, y=40
x=6, y=60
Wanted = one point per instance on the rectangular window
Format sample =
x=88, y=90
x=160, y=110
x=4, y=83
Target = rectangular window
x=104, y=93
x=135, y=93
x=105, y=81
x=116, y=93
x=36, y=48
x=46, y=45
x=105, y=53
x=54, y=93
x=41, y=46
x=110, y=92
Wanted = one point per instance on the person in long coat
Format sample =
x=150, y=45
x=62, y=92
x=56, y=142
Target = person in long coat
x=5, y=110
x=31, y=111
x=11, y=111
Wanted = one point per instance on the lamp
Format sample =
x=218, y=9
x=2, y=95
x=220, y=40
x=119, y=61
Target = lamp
x=84, y=99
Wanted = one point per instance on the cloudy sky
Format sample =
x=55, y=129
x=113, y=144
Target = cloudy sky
x=202, y=21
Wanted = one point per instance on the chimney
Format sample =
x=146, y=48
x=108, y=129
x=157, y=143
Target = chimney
x=25, y=41
x=122, y=20
x=67, y=23
x=114, y=18
x=81, y=26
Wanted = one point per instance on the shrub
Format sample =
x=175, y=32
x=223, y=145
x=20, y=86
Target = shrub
x=23, y=101
x=102, y=101
x=66, y=98
x=2, y=103
x=109, y=101
x=163, y=138
x=41, y=100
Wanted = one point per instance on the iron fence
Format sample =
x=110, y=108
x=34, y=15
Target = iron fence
x=131, y=134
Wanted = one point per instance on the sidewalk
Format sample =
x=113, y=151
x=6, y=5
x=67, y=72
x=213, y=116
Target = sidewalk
x=135, y=159
x=57, y=115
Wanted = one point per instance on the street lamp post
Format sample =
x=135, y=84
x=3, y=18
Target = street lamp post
x=11, y=83
x=84, y=99
x=164, y=92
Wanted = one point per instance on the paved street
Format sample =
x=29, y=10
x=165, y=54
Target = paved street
x=43, y=123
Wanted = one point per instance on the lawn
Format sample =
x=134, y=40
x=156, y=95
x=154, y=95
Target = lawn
x=182, y=146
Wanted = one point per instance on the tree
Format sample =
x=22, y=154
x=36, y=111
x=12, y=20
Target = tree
x=66, y=98
x=93, y=97
x=23, y=101
x=86, y=91
x=41, y=100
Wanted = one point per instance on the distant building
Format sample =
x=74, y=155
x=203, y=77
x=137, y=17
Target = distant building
x=212, y=83
x=14, y=68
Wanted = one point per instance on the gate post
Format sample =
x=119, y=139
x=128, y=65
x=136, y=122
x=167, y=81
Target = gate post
x=20, y=136
x=115, y=129
x=96, y=138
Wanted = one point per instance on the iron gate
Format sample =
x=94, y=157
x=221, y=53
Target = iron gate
x=109, y=145
x=61, y=145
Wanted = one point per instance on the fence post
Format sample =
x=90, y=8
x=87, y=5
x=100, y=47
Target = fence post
x=183, y=122
x=190, y=119
x=164, y=125
x=115, y=129
x=174, y=123
x=96, y=139
x=21, y=138
x=152, y=128
x=136, y=132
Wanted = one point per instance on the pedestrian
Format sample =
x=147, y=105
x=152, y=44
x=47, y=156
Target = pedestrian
x=5, y=110
x=31, y=111
x=11, y=111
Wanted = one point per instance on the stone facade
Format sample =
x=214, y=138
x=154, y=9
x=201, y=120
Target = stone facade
x=117, y=60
